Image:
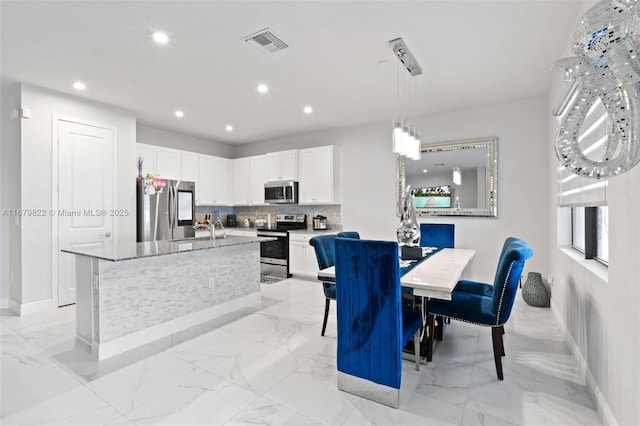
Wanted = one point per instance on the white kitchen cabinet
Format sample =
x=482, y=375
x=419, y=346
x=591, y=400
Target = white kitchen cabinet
x=282, y=165
x=168, y=163
x=302, y=257
x=189, y=166
x=148, y=154
x=213, y=180
x=249, y=176
x=241, y=181
x=318, y=175
x=258, y=172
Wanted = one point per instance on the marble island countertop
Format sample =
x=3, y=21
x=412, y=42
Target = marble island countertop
x=129, y=251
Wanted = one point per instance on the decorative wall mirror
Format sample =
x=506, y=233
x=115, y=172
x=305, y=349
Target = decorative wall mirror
x=475, y=191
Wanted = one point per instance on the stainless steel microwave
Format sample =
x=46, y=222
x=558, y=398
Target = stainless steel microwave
x=282, y=192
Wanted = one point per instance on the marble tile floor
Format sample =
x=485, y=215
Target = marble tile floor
x=270, y=366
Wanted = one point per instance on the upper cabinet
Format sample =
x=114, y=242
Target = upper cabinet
x=282, y=165
x=318, y=175
x=148, y=154
x=249, y=177
x=214, y=180
x=223, y=181
x=189, y=163
x=168, y=163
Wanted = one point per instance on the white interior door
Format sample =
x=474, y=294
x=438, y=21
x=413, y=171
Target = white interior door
x=85, y=195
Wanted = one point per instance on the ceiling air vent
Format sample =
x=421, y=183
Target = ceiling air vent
x=266, y=41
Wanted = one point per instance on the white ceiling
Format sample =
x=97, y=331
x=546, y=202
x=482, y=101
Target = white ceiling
x=471, y=52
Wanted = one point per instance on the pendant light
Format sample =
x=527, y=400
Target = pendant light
x=457, y=175
x=405, y=139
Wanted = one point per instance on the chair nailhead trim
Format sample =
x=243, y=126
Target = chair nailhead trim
x=504, y=287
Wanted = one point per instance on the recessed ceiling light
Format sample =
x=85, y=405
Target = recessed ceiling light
x=424, y=170
x=228, y=128
x=308, y=110
x=79, y=85
x=263, y=88
x=160, y=37
x=179, y=114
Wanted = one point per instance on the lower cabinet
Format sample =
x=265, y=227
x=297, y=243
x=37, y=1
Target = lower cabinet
x=302, y=257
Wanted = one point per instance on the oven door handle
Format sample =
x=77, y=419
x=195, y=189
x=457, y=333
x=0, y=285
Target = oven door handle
x=271, y=234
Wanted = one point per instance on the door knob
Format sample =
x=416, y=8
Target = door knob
x=106, y=234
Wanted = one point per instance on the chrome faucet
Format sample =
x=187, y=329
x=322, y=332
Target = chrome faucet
x=216, y=230
x=207, y=226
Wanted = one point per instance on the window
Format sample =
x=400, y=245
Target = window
x=602, y=237
x=577, y=228
x=590, y=232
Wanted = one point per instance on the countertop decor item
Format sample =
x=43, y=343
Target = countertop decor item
x=408, y=230
x=534, y=292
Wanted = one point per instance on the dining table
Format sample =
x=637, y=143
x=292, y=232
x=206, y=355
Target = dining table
x=434, y=276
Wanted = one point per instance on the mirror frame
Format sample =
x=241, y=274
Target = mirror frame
x=491, y=144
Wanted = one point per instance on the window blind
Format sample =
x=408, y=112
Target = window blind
x=575, y=190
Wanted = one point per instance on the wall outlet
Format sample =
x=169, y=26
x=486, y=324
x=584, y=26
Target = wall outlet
x=550, y=279
x=212, y=282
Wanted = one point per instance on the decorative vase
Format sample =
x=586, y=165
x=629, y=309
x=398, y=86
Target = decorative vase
x=408, y=230
x=534, y=292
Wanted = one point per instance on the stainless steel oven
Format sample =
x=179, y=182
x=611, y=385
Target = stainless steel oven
x=274, y=255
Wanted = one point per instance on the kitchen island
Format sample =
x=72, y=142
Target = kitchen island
x=131, y=294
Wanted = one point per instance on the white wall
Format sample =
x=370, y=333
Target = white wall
x=368, y=170
x=169, y=139
x=9, y=190
x=599, y=305
x=36, y=283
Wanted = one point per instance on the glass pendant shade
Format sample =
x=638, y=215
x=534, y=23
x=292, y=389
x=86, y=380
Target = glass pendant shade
x=406, y=141
x=457, y=175
x=397, y=136
x=412, y=152
x=417, y=150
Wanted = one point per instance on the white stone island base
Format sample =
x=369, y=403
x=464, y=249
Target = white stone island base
x=125, y=304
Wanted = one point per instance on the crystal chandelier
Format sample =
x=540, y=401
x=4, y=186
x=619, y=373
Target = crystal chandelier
x=406, y=140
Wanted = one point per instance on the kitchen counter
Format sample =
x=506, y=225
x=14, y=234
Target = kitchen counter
x=129, y=295
x=129, y=251
x=310, y=231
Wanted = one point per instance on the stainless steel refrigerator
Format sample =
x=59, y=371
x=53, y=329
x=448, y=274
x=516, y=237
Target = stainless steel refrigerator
x=165, y=209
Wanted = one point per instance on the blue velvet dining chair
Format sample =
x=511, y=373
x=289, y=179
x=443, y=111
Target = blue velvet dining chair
x=372, y=326
x=323, y=246
x=490, y=307
x=349, y=234
x=483, y=289
x=440, y=235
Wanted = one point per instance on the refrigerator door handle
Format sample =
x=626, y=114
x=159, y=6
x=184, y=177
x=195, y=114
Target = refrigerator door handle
x=170, y=209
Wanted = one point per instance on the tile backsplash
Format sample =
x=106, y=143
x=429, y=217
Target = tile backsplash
x=332, y=212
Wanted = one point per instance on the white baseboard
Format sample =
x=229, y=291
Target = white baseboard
x=22, y=309
x=122, y=344
x=601, y=403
